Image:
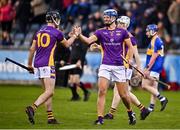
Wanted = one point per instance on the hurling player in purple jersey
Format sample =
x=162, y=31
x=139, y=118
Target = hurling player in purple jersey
x=112, y=68
x=44, y=44
x=124, y=22
x=154, y=66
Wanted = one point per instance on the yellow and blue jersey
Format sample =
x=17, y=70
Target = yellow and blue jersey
x=156, y=46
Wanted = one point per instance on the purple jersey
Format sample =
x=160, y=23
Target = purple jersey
x=46, y=39
x=133, y=41
x=112, y=45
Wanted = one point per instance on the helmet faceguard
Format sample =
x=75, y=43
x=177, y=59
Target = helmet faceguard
x=112, y=14
x=152, y=29
x=53, y=17
x=125, y=20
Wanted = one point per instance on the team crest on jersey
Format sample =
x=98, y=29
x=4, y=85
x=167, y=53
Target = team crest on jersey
x=112, y=40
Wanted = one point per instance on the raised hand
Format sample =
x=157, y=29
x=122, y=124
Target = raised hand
x=77, y=30
x=70, y=34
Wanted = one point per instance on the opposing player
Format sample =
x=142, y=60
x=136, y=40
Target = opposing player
x=154, y=65
x=112, y=40
x=123, y=22
x=44, y=44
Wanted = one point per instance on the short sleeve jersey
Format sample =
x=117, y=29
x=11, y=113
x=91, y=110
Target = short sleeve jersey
x=156, y=46
x=46, y=39
x=133, y=41
x=112, y=45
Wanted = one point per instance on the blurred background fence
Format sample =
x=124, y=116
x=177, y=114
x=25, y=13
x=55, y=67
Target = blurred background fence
x=12, y=73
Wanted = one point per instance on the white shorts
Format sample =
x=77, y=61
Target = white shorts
x=129, y=74
x=111, y=72
x=154, y=74
x=44, y=72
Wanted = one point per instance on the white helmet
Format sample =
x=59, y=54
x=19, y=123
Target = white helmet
x=124, y=19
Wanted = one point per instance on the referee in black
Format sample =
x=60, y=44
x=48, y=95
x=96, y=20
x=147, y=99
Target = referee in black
x=77, y=56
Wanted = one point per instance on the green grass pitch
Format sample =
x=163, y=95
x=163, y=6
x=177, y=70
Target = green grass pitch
x=80, y=115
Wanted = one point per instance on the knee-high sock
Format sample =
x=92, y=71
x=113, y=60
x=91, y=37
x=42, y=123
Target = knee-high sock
x=81, y=85
x=74, y=90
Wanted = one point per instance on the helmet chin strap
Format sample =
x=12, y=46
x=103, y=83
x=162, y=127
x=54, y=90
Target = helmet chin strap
x=109, y=24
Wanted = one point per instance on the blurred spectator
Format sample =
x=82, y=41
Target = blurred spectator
x=113, y=5
x=101, y=2
x=163, y=5
x=72, y=12
x=23, y=15
x=133, y=21
x=174, y=17
x=39, y=8
x=145, y=20
x=66, y=3
x=138, y=33
x=127, y=5
x=55, y=5
x=96, y=19
x=87, y=13
x=163, y=18
x=135, y=9
x=84, y=11
x=163, y=34
x=7, y=15
x=89, y=29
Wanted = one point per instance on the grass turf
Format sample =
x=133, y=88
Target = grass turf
x=79, y=114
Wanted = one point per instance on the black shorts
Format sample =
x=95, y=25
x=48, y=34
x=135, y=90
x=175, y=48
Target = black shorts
x=6, y=26
x=76, y=70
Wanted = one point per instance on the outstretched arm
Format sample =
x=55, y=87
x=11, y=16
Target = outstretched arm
x=73, y=36
x=68, y=42
x=88, y=40
x=78, y=32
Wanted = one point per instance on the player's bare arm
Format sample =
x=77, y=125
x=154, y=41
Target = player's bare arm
x=130, y=48
x=31, y=56
x=88, y=40
x=73, y=36
x=152, y=61
x=137, y=57
x=78, y=32
x=68, y=42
